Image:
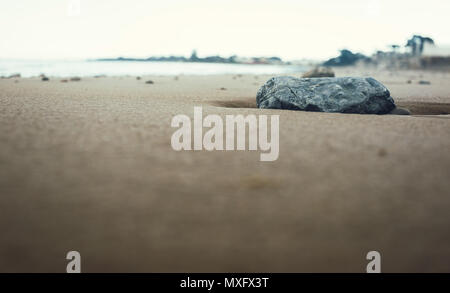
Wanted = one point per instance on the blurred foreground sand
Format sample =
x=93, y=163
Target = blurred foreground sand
x=88, y=166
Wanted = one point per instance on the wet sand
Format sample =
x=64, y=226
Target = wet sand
x=88, y=166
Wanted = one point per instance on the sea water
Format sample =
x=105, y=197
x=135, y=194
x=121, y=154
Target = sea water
x=67, y=68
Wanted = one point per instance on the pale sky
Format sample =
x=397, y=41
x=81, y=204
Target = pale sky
x=291, y=29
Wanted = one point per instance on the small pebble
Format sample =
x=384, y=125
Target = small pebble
x=382, y=153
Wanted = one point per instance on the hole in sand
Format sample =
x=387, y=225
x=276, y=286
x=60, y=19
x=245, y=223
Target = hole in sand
x=244, y=103
x=423, y=108
x=416, y=108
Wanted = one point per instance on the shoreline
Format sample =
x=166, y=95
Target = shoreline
x=113, y=68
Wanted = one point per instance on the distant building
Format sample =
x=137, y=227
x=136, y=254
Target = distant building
x=434, y=51
x=435, y=57
x=194, y=56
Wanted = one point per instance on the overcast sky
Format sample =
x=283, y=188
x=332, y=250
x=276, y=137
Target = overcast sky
x=286, y=28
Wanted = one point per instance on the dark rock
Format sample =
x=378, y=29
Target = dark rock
x=223, y=89
x=319, y=72
x=17, y=75
x=45, y=78
x=149, y=82
x=138, y=78
x=75, y=79
x=424, y=82
x=335, y=95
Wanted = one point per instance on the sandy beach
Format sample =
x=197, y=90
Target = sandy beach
x=88, y=166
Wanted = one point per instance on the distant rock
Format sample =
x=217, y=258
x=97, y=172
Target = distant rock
x=64, y=80
x=16, y=75
x=319, y=72
x=75, y=79
x=424, y=82
x=138, y=78
x=45, y=78
x=335, y=95
x=149, y=82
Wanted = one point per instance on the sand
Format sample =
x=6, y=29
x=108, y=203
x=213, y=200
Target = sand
x=88, y=166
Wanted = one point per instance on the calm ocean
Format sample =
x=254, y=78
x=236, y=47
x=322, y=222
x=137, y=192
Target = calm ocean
x=64, y=68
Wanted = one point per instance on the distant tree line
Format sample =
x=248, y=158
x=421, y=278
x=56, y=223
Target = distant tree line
x=416, y=44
